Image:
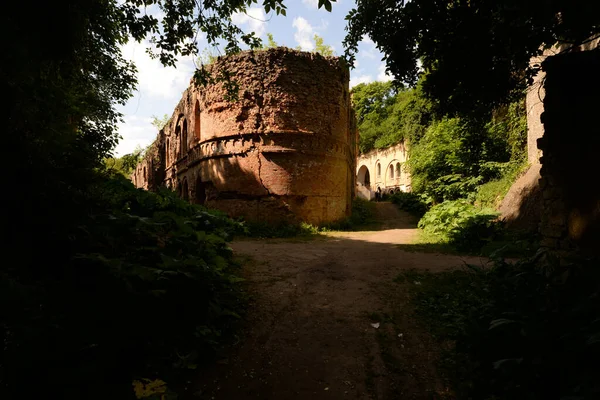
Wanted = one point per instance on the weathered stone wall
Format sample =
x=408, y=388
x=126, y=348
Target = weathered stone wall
x=535, y=96
x=383, y=168
x=570, y=188
x=285, y=150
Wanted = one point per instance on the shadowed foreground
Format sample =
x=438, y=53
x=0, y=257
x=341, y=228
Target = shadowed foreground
x=309, y=332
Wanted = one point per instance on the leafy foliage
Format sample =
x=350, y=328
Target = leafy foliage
x=519, y=331
x=142, y=283
x=126, y=164
x=322, y=48
x=271, y=43
x=455, y=155
x=461, y=224
x=387, y=115
x=476, y=54
x=160, y=123
x=411, y=202
x=490, y=194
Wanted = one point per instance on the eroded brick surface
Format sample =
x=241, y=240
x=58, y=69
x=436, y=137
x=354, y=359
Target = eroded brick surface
x=285, y=150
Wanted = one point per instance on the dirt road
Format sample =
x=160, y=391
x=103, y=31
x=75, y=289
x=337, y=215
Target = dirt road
x=310, y=332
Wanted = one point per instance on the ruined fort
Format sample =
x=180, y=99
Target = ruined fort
x=383, y=169
x=284, y=150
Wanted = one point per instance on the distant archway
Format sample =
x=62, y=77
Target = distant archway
x=364, y=177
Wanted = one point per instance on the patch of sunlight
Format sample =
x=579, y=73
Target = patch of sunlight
x=149, y=388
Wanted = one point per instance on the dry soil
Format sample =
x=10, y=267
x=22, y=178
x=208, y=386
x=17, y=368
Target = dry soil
x=311, y=330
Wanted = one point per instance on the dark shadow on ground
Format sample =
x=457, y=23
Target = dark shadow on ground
x=309, y=331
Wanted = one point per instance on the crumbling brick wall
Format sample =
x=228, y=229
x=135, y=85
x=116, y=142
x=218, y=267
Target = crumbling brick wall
x=570, y=189
x=285, y=150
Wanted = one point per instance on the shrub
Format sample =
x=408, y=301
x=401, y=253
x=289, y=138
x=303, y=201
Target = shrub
x=519, y=331
x=280, y=230
x=490, y=194
x=411, y=202
x=461, y=224
x=143, y=283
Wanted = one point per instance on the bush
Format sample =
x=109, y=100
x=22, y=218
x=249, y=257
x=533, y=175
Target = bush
x=411, y=202
x=142, y=284
x=265, y=230
x=490, y=194
x=461, y=224
x=519, y=331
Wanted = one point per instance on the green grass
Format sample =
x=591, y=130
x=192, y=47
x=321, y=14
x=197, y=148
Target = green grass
x=492, y=193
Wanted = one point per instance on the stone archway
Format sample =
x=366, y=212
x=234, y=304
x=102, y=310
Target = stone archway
x=364, y=177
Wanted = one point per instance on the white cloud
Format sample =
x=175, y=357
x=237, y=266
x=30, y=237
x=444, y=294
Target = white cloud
x=311, y=3
x=154, y=79
x=367, y=40
x=254, y=18
x=368, y=48
x=135, y=131
x=304, y=33
x=159, y=88
x=360, y=79
x=383, y=76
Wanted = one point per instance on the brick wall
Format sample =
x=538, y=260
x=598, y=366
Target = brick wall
x=285, y=150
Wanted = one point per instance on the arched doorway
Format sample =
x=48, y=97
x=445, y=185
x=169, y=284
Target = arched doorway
x=364, y=177
x=200, y=192
x=185, y=191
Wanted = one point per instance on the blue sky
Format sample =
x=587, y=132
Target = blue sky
x=159, y=88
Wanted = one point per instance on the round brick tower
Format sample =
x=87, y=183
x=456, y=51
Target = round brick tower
x=283, y=151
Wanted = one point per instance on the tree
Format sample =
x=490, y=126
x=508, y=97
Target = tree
x=321, y=48
x=387, y=114
x=476, y=53
x=271, y=43
x=160, y=123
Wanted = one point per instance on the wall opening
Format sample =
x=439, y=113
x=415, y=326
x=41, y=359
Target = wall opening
x=391, y=172
x=197, y=120
x=168, y=153
x=184, y=139
x=177, y=137
x=185, y=192
x=398, y=170
x=364, y=177
x=378, y=170
x=200, y=192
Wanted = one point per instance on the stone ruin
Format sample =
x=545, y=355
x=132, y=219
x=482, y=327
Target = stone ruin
x=559, y=196
x=285, y=150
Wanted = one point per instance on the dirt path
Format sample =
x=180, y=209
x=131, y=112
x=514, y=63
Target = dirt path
x=310, y=333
